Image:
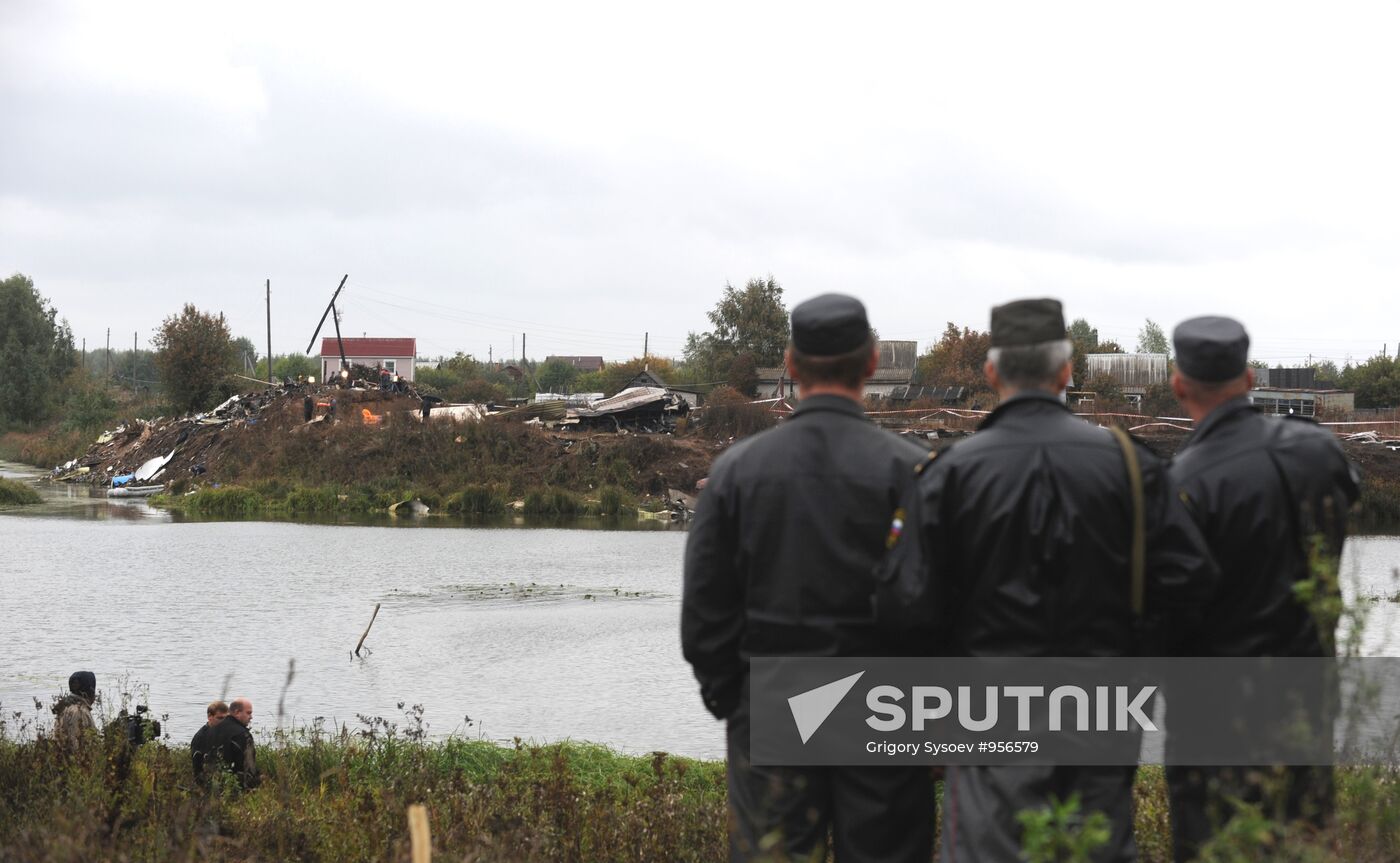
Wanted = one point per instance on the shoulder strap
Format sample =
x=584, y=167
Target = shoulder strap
x=1139, y=553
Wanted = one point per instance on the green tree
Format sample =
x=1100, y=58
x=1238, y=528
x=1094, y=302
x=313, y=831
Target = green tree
x=1326, y=374
x=556, y=376
x=36, y=351
x=616, y=375
x=194, y=355
x=1082, y=334
x=743, y=374
x=750, y=320
x=247, y=355
x=1153, y=340
x=1110, y=347
x=1376, y=382
x=287, y=366
x=956, y=359
x=1085, y=340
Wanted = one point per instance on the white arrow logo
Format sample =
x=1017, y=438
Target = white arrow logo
x=811, y=708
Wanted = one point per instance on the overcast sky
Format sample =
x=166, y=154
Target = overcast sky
x=589, y=172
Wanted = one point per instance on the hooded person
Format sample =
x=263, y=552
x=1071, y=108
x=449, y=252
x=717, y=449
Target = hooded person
x=74, y=711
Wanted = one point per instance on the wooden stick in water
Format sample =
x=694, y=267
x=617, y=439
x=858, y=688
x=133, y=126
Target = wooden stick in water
x=371, y=623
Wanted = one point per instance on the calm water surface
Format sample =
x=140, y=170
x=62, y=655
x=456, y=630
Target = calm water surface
x=544, y=634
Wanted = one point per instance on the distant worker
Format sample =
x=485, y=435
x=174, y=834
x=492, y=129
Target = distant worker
x=202, y=746
x=780, y=562
x=74, y=725
x=1267, y=492
x=232, y=742
x=383, y=378
x=308, y=408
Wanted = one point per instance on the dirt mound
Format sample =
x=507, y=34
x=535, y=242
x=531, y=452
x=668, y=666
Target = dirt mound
x=376, y=438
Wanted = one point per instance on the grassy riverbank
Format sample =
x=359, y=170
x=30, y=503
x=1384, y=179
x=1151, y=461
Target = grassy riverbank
x=344, y=798
x=277, y=498
x=14, y=493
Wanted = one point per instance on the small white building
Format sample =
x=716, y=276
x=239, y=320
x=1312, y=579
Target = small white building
x=396, y=355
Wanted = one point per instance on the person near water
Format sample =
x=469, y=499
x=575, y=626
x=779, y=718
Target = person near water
x=202, y=746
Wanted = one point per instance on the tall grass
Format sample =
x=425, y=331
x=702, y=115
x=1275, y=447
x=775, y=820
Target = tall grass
x=342, y=797
x=13, y=493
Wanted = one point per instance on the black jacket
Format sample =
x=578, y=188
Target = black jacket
x=201, y=750
x=1260, y=487
x=1024, y=533
x=232, y=747
x=783, y=545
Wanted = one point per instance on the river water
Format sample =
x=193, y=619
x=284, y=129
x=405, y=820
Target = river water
x=541, y=633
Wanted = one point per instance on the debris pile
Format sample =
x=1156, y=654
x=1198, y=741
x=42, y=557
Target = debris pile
x=141, y=456
x=640, y=409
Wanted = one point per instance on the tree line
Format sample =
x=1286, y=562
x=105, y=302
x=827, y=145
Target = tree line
x=197, y=362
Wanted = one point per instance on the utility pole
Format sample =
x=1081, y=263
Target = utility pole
x=133, y=363
x=522, y=349
x=269, y=332
x=107, y=368
x=646, y=343
x=489, y=358
x=85, y=356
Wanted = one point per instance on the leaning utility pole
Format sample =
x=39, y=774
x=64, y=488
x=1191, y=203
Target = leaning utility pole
x=269, y=332
x=330, y=307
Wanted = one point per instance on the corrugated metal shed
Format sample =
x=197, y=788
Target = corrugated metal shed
x=899, y=354
x=1129, y=370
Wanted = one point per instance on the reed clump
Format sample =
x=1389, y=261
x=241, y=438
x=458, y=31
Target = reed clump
x=14, y=493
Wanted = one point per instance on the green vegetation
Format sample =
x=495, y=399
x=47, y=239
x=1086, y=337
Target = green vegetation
x=750, y=330
x=1376, y=382
x=14, y=493
x=956, y=360
x=1379, y=505
x=36, y=352
x=194, y=354
x=288, y=366
x=343, y=797
x=279, y=498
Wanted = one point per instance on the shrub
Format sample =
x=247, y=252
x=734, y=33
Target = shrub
x=14, y=493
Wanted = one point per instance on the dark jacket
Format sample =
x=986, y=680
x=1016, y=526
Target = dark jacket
x=1025, y=533
x=783, y=545
x=202, y=751
x=232, y=748
x=1260, y=487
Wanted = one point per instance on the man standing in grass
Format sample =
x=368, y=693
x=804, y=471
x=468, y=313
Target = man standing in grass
x=233, y=743
x=780, y=562
x=1271, y=495
x=202, y=746
x=73, y=723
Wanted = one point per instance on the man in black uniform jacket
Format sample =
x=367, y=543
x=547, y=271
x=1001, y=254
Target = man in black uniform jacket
x=780, y=562
x=233, y=743
x=1262, y=489
x=202, y=746
x=1023, y=534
